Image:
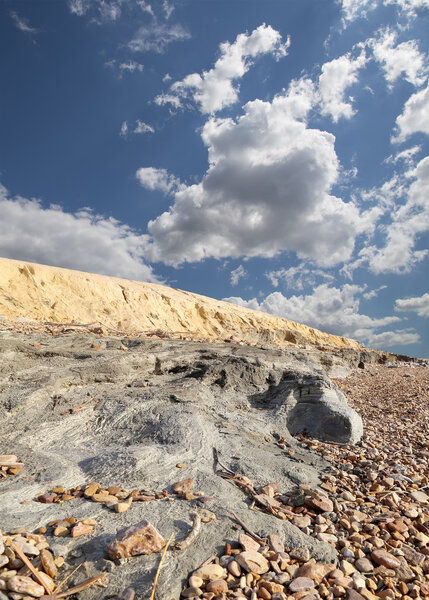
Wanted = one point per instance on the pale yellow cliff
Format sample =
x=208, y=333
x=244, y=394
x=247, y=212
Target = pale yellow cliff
x=50, y=294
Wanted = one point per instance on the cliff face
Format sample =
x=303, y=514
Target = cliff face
x=51, y=294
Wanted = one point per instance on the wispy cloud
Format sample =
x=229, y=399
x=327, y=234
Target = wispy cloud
x=140, y=128
x=22, y=24
x=157, y=37
x=237, y=274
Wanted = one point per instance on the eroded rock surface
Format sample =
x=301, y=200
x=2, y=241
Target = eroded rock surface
x=125, y=412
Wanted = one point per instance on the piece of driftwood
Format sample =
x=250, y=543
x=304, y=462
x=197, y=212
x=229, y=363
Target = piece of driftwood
x=192, y=535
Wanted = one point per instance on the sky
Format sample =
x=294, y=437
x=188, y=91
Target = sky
x=270, y=153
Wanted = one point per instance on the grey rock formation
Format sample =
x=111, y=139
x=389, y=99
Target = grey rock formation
x=148, y=408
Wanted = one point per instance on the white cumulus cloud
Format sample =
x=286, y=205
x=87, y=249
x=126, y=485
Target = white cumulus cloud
x=80, y=240
x=158, y=179
x=398, y=59
x=337, y=75
x=216, y=88
x=415, y=116
x=267, y=189
x=419, y=304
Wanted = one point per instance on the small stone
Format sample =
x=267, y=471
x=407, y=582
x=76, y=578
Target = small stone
x=195, y=581
x=301, y=584
x=48, y=564
x=122, y=507
x=25, y=585
x=218, y=586
x=412, y=556
x=419, y=497
x=364, y=565
x=91, y=489
x=81, y=529
x=46, y=498
x=3, y=560
x=403, y=572
x=234, y=568
x=141, y=538
x=253, y=562
x=58, y=490
x=47, y=581
x=248, y=543
x=210, y=572
x=319, y=502
x=61, y=531
x=180, y=465
x=301, y=522
x=207, y=515
x=27, y=548
x=382, y=557
x=104, y=498
x=353, y=595
x=301, y=553
x=315, y=571
x=184, y=486
x=114, y=489
x=275, y=543
x=192, y=592
x=89, y=522
x=59, y=561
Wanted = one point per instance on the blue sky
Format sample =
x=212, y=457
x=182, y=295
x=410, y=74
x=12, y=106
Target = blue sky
x=274, y=154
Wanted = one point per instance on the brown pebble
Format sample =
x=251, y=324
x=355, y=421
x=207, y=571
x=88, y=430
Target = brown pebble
x=48, y=563
x=61, y=531
x=81, y=529
x=218, y=586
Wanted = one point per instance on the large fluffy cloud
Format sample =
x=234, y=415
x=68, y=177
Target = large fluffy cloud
x=215, y=89
x=81, y=240
x=267, y=189
x=334, y=310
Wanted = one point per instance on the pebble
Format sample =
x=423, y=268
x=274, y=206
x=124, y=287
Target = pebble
x=382, y=557
x=301, y=584
x=253, y=562
x=47, y=560
x=248, y=543
x=218, y=586
x=81, y=529
x=210, y=572
x=25, y=585
x=364, y=565
x=140, y=538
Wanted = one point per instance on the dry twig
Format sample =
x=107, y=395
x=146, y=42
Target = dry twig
x=32, y=568
x=155, y=581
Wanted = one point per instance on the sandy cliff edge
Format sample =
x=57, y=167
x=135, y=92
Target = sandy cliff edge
x=52, y=294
